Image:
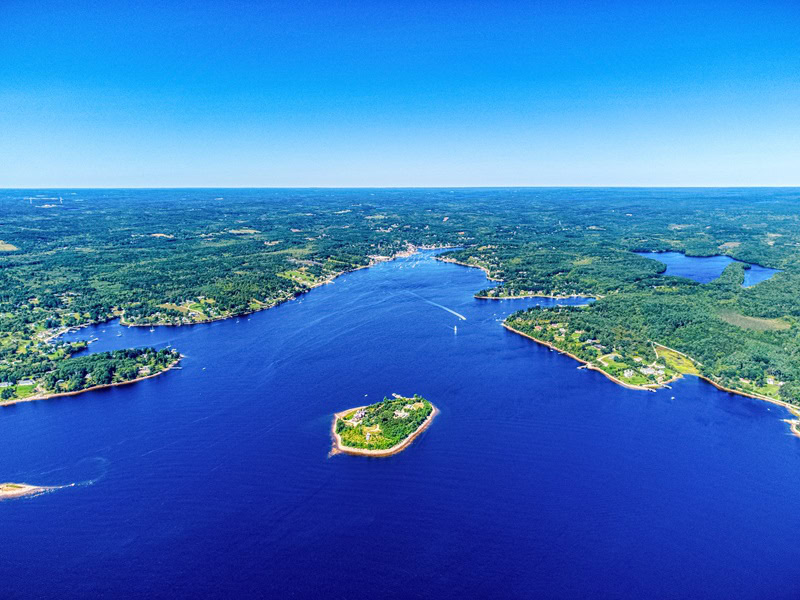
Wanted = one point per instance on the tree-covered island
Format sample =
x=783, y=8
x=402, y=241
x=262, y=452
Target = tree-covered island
x=383, y=428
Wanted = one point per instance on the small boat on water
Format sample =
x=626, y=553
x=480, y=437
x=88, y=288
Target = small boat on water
x=152, y=329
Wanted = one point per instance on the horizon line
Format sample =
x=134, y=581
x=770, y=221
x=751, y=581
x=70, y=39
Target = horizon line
x=404, y=187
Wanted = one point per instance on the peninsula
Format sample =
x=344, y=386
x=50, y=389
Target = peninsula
x=211, y=260
x=383, y=428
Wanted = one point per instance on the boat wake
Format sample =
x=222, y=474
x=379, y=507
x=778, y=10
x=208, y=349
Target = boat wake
x=452, y=312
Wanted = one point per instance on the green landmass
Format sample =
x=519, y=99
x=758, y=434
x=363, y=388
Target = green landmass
x=633, y=336
x=384, y=424
x=76, y=373
x=192, y=256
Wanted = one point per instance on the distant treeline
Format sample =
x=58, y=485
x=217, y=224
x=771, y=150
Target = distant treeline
x=182, y=256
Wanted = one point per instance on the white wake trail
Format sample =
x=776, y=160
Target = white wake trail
x=452, y=312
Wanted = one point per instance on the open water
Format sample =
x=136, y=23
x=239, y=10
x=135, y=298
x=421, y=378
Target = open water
x=536, y=480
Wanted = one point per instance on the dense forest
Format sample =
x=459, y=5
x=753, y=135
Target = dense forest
x=73, y=257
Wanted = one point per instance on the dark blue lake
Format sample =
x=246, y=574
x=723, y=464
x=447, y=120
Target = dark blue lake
x=536, y=480
x=706, y=268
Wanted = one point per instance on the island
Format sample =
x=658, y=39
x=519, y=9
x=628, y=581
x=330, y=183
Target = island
x=17, y=490
x=383, y=428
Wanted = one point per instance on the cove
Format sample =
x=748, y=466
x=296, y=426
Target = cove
x=705, y=269
x=536, y=479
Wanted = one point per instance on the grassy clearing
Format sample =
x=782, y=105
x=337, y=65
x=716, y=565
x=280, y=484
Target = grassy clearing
x=754, y=323
x=299, y=276
x=676, y=362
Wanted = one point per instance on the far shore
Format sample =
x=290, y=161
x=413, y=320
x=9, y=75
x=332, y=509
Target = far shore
x=490, y=278
x=794, y=424
x=340, y=448
x=542, y=295
x=463, y=264
x=90, y=389
x=374, y=260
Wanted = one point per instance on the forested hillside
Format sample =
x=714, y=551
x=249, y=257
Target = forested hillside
x=186, y=256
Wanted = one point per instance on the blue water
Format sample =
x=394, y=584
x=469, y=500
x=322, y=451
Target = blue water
x=706, y=268
x=536, y=480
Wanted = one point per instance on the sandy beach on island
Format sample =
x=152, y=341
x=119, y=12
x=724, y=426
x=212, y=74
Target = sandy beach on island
x=89, y=389
x=18, y=490
x=339, y=448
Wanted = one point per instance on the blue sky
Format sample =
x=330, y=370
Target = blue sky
x=346, y=93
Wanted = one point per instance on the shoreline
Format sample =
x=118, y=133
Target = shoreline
x=794, y=424
x=463, y=264
x=10, y=490
x=534, y=296
x=374, y=260
x=92, y=388
x=339, y=448
x=586, y=363
x=490, y=278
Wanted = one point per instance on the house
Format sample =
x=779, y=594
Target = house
x=628, y=373
x=648, y=370
x=26, y=382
